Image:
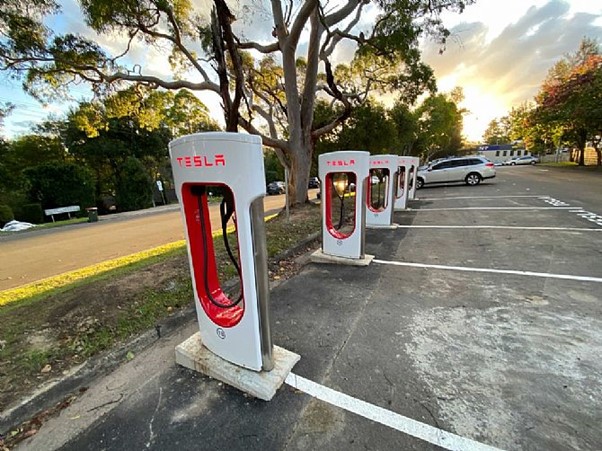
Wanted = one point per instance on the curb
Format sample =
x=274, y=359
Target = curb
x=100, y=365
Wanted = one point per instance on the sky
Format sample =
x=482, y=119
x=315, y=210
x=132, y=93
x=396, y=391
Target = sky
x=499, y=53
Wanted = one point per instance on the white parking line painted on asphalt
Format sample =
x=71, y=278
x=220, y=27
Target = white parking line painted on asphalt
x=385, y=417
x=493, y=271
x=485, y=197
x=592, y=217
x=556, y=202
x=490, y=208
x=554, y=229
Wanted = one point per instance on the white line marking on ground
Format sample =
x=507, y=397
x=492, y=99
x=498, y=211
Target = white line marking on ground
x=385, y=417
x=483, y=197
x=489, y=208
x=556, y=202
x=559, y=229
x=493, y=271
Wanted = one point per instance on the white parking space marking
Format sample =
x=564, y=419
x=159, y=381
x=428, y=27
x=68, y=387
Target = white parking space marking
x=592, y=217
x=490, y=208
x=493, y=271
x=385, y=417
x=556, y=202
x=554, y=229
x=486, y=197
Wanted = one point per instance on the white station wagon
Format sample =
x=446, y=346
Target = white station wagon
x=469, y=170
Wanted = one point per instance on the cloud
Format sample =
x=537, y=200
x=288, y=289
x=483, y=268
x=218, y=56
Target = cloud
x=512, y=65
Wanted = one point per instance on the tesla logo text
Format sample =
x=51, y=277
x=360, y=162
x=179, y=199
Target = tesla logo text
x=340, y=163
x=199, y=161
x=379, y=162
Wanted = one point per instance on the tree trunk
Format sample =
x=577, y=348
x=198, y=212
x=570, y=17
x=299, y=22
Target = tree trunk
x=581, y=142
x=299, y=164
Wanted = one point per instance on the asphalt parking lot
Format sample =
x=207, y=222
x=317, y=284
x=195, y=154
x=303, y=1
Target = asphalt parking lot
x=478, y=325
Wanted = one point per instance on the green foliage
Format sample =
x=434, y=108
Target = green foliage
x=406, y=128
x=368, y=129
x=56, y=185
x=274, y=170
x=31, y=213
x=569, y=103
x=134, y=187
x=440, y=126
x=5, y=110
x=6, y=214
x=280, y=89
x=498, y=131
x=35, y=149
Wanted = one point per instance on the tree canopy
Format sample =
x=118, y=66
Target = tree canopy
x=567, y=111
x=269, y=91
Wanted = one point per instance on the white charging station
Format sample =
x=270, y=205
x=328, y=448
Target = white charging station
x=343, y=177
x=403, y=183
x=236, y=328
x=413, y=177
x=381, y=190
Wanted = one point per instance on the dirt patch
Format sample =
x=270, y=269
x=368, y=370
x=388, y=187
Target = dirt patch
x=41, y=340
x=45, y=338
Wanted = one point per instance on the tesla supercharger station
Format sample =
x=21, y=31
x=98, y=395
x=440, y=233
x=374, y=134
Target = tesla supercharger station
x=236, y=328
x=402, y=186
x=381, y=191
x=413, y=177
x=343, y=177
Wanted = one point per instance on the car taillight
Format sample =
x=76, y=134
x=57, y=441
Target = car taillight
x=489, y=165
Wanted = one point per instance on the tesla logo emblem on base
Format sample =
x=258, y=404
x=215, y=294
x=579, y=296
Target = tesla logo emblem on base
x=220, y=333
x=339, y=242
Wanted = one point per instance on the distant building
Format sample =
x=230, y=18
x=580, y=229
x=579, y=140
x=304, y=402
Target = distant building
x=499, y=153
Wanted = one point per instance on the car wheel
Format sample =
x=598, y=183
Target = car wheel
x=513, y=164
x=419, y=183
x=533, y=163
x=473, y=179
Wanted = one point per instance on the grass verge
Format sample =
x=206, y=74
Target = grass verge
x=49, y=331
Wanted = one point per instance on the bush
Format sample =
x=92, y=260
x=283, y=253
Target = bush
x=134, y=190
x=32, y=213
x=6, y=214
x=58, y=184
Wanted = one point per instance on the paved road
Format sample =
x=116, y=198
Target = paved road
x=499, y=356
x=36, y=255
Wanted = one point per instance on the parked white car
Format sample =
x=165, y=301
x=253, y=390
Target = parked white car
x=529, y=159
x=469, y=170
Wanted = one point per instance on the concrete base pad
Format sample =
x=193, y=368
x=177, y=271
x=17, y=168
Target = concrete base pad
x=320, y=257
x=387, y=227
x=263, y=385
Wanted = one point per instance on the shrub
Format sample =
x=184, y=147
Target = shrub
x=60, y=184
x=134, y=190
x=32, y=213
x=6, y=214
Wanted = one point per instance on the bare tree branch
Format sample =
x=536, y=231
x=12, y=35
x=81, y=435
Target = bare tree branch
x=300, y=21
x=342, y=13
x=266, y=140
x=265, y=49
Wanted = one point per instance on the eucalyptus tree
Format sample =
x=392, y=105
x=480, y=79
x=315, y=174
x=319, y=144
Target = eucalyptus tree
x=205, y=52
